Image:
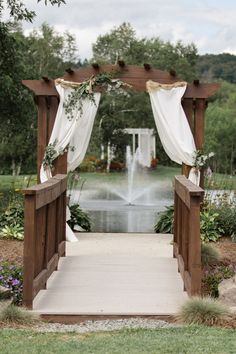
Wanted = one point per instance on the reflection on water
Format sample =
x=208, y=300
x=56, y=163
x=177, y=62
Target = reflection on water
x=110, y=213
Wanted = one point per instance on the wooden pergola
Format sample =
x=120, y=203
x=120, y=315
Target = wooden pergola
x=45, y=204
x=46, y=97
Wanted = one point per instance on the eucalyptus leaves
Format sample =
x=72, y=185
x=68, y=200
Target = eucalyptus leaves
x=51, y=153
x=201, y=159
x=86, y=90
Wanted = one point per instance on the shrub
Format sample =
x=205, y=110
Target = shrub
x=226, y=219
x=214, y=277
x=12, y=232
x=13, y=214
x=87, y=166
x=206, y=311
x=79, y=217
x=11, y=277
x=116, y=166
x=166, y=222
x=210, y=231
x=209, y=254
x=13, y=314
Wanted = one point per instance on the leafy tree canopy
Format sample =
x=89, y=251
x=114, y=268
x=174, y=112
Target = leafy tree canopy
x=19, y=12
x=122, y=43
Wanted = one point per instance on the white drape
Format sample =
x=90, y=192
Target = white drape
x=74, y=133
x=172, y=125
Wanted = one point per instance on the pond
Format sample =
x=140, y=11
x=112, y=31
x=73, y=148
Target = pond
x=108, y=207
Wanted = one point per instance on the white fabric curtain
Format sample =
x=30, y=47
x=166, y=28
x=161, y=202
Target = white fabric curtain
x=74, y=133
x=172, y=125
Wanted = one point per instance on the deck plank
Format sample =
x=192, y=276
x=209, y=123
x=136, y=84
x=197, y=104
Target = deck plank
x=114, y=274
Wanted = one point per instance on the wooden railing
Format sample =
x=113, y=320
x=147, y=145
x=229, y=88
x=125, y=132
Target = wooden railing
x=187, y=241
x=44, y=234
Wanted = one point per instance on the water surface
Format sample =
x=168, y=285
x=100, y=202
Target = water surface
x=107, y=205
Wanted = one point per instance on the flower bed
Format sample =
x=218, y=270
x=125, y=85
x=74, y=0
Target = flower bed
x=11, y=277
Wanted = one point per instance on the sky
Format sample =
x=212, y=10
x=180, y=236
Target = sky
x=210, y=24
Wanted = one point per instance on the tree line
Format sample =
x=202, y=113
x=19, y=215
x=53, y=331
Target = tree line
x=44, y=52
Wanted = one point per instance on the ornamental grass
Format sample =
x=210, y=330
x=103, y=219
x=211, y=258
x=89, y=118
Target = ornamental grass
x=203, y=311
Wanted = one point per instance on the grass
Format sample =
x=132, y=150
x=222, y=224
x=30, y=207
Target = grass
x=10, y=313
x=207, y=311
x=11, y=182
x=187, y=340
x=209, y=254
x=221, y=181
x=218, y=181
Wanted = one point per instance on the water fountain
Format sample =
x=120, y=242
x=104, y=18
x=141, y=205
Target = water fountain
x=128, y=203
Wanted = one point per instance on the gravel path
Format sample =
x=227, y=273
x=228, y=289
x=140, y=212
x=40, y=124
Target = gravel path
x=105, y=325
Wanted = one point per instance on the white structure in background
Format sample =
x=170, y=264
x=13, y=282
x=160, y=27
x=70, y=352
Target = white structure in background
x=144, y=140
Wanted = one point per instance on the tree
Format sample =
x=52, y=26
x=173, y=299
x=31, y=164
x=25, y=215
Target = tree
x=114, y=45
x=19, y=12
x=121, y=43
x=43, y=52
x=50, y=53
x=217, y=66
x=17, y=134
x=221, y=129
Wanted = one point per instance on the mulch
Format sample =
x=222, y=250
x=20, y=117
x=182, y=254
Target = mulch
x=227, y=250
x=11, y=251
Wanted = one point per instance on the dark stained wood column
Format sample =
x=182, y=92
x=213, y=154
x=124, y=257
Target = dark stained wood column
x=47, y=110
x=199, y=122
x=199, y=127
x=42, y=131
x=60, y=163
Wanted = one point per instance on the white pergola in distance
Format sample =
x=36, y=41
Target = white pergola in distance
x=145, y=140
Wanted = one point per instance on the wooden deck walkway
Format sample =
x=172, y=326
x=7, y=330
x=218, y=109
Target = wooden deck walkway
x=114, y=274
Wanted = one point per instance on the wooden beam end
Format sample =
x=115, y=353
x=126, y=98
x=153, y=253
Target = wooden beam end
x=172, y=72
x=95, y=66
x=70, y=71
x=46, y=79
x=121, y=63
x=147, y=66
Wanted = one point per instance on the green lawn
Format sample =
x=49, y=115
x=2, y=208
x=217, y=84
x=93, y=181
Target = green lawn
x=23, y=181
x=218, y=181
x=192, y=340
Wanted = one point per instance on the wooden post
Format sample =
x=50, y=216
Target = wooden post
x=195, y=246
x=199, y=124
x=42, y=132
x=29, y=249
x=187, y=104
x=200, y=107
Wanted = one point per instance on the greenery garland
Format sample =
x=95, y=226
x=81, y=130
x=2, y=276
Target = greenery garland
x=51, y=153
x=86, y=90
x=74, y=101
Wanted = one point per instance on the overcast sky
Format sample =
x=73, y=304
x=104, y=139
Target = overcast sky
x=210, y=24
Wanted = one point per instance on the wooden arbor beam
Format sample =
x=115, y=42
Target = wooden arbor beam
x=136, y=76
